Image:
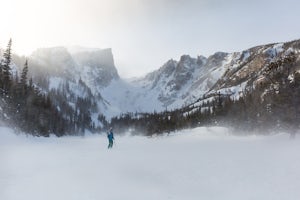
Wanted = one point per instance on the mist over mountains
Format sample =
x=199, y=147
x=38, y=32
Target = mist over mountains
x=76, y=74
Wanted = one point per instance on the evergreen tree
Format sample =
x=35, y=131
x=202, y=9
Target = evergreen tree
x=23, y=81
x=24, y=73
x=6, y=70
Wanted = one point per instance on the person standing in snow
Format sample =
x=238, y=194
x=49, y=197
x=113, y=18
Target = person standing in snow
x=110, y=136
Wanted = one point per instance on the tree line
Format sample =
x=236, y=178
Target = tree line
x=24, y=106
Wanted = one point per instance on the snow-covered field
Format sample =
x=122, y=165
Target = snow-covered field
x=203, y=163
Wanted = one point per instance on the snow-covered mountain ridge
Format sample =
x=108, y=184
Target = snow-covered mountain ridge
x=183, y=82
x=180, y=83
x=175, y=84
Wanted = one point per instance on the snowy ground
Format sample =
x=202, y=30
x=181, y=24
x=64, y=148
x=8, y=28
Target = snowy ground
x=203, y=163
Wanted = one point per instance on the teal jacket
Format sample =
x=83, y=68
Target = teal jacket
x=110, y=136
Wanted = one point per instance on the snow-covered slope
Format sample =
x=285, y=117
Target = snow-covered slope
x=203, y=163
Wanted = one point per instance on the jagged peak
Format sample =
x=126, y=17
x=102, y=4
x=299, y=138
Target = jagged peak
x=185, y=57
x=201, y=60
x=170, y=62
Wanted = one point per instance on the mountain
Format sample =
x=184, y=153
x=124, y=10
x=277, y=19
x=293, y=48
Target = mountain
x=73, y=78
x=256, y=90
x=85, y=80
x=175, y=84
x=179, y=83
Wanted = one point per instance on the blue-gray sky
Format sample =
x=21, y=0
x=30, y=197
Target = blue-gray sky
x=146, y=33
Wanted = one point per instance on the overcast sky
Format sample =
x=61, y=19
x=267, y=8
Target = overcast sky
x=144, y=34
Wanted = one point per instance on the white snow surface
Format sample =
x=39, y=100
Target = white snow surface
x=202, y=163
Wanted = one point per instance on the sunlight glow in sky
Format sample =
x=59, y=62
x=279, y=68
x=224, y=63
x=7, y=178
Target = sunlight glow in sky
x=144, y=34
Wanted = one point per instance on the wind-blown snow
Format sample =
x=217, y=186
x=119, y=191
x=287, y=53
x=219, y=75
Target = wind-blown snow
x=54, y=82
x=203, y=163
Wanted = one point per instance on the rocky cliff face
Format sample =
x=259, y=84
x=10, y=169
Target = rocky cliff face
x=94, y=66
x=247, y=67
x=97, y=67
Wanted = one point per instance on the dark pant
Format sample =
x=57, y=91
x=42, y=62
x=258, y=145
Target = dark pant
x=110, y=144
